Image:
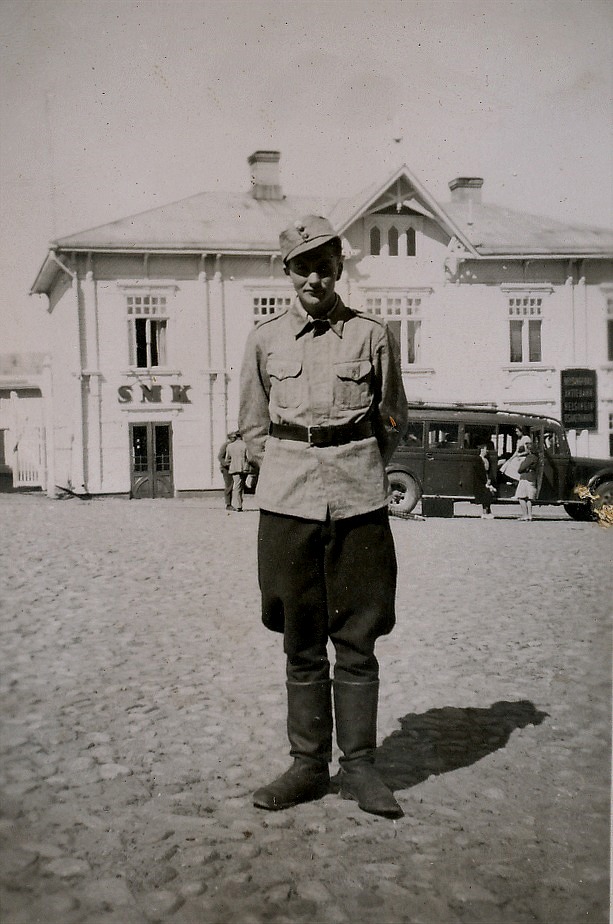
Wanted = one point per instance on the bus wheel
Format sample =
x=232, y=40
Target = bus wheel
x=405, y=493
x=604, y=494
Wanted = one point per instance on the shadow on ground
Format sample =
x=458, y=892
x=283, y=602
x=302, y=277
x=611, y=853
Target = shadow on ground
x=442, y=740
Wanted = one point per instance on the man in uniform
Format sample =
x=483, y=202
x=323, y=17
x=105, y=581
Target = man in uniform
x=322, y=409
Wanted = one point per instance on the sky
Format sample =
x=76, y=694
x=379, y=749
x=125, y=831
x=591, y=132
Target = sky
x=113, y=107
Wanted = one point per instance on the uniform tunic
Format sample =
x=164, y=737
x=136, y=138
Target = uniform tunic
x=293, y=374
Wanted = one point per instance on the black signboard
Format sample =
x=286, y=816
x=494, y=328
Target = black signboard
x=579, y=399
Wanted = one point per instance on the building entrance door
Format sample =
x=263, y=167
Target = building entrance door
x=151, y=460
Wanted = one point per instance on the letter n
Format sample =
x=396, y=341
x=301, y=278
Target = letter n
x=151, y=394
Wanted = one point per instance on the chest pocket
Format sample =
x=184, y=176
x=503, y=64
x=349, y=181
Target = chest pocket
x=352, y=386
x=285, y=381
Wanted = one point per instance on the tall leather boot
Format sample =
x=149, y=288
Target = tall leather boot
x=355, y=708
x=309, y=729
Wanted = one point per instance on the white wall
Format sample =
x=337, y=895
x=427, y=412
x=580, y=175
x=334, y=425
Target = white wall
x=465, y=348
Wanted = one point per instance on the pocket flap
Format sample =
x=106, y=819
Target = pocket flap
x=355, y=371
x=284, y=368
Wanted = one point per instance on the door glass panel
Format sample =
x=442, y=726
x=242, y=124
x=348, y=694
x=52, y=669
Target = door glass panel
x=139, y=449
x=162, y=448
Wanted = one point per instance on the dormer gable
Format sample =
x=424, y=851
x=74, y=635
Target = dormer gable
x=397, y=201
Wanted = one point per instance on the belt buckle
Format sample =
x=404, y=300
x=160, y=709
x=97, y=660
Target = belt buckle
x=312, y=438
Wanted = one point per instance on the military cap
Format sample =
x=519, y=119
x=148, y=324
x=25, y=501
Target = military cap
x=304, y=234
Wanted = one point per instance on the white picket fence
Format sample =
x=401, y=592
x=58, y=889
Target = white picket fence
x=29, y=458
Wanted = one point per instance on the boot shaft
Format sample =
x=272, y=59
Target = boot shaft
x=309, y=720
x=355, y=713
x=355, y=707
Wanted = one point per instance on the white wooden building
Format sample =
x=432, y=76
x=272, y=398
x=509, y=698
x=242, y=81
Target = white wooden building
x=150, y=315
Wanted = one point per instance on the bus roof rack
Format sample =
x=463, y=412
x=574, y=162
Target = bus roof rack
x=456, y=405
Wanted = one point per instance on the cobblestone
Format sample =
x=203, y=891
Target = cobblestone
x=143, y=702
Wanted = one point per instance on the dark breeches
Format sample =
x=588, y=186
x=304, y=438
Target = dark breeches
x=334, y=580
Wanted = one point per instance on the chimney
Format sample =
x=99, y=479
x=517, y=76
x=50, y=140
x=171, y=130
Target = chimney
x=466, y=189
x=265, y=180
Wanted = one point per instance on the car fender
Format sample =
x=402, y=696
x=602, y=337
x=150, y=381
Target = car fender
x=605, y=474
x=589, y=473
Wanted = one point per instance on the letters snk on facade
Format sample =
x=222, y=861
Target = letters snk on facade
x=153, y=394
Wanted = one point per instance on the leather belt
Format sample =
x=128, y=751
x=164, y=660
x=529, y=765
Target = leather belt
x=323, y=436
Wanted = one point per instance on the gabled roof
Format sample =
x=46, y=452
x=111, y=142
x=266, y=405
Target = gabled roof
x=209, y=221
x=399, y=188
x=224, y=222
x=499, y=231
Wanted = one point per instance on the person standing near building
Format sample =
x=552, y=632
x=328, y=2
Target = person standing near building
x=485, y=476
x=322, y=409
x=228, y=481
x=528, y=476
x=237, y=461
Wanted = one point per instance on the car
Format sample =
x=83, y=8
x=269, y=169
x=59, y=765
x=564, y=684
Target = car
x=437, y=458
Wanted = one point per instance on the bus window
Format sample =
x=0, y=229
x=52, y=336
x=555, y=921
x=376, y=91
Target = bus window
x=414, y=436
x=443, y=435
x=552, y=442
x=476, y=435
x=505, y=441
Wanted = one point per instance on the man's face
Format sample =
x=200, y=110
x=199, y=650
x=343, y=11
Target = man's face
x=314, y=276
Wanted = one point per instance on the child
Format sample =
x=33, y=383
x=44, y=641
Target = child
x=322, y=409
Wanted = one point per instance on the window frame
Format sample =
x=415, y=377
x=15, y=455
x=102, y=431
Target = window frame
x=609, y=321
x=395, y=233
x=525, y=317
x=150, y=305
x=406, y=307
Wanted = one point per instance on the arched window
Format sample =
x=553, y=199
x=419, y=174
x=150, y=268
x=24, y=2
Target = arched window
x=410, y=242
x=392, y=241
x=375, y=242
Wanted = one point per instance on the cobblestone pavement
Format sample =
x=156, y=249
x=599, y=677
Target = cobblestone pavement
x=143, y=702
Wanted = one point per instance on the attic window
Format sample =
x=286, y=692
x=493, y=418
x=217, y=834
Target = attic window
x=392, y=237
x=375, y=242
x=410, y=242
